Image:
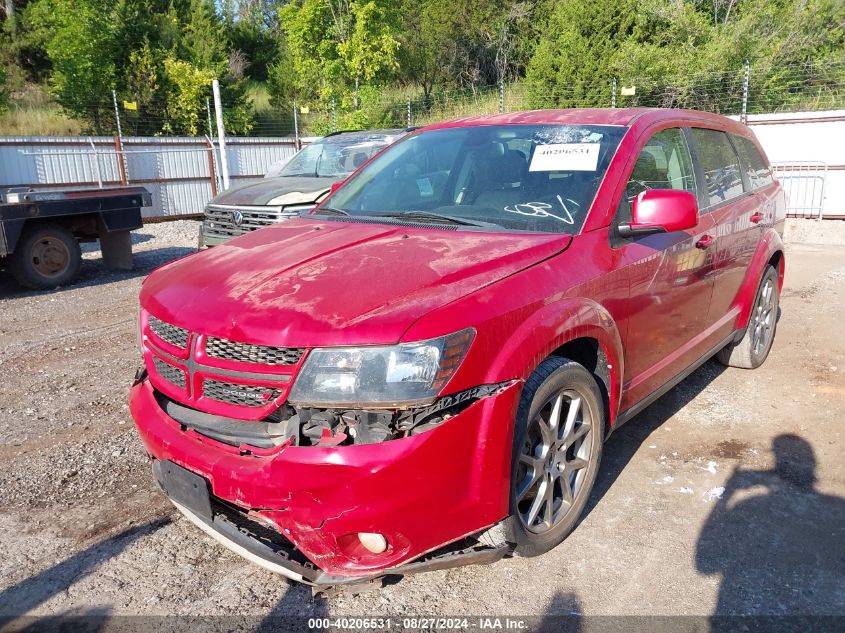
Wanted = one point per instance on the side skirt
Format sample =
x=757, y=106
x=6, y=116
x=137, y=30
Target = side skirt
x=629, y=413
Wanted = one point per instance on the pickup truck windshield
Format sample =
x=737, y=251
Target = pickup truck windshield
x=335, y=156
x=539, y=178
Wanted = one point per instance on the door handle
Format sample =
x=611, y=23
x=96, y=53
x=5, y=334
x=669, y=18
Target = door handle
x=757, y=217
x=704, y=243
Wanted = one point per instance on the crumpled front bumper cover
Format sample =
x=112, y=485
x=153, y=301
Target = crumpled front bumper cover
x=422, y=492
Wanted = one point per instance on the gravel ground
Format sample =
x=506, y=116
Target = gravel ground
x=725, y=496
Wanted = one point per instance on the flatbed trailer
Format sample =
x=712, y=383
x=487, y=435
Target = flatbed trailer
x=40, y=231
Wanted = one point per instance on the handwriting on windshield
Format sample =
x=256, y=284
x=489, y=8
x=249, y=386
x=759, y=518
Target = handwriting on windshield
x=543, y=210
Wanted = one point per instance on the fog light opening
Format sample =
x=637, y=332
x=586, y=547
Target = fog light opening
x=373, y=542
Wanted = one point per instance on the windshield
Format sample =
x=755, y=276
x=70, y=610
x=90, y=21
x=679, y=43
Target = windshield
x=334, y=156
x=540, y=178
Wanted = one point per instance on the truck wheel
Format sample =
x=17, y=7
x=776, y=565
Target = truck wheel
x=753, y=348
x=46, y=256
x=556, y=454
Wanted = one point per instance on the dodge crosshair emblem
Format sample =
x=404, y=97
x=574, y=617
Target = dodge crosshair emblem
x=237, y=218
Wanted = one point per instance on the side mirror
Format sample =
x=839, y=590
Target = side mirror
x=335, y=186
x=661, y=211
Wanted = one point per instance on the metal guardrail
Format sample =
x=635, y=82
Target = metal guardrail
x=804, y=185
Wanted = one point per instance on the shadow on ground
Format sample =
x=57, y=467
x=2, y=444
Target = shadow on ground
x=625, y=441
x=34, y=591
x=94, y=273
x=776, y=541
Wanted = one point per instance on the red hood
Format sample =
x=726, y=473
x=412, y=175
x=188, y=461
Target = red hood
x=304, y=283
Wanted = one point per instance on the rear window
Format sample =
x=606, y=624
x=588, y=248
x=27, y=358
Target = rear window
x=758, y=172
x=722, y=175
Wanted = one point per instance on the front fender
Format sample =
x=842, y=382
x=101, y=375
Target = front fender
x=554, y=325
x=769, y=245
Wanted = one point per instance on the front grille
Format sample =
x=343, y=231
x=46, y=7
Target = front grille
x=219, y=221
x=241, y=395
x=169, y=333
x=246, y=353
x=171, y=374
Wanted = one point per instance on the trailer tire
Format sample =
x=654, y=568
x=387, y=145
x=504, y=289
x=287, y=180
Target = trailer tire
x=46, y=256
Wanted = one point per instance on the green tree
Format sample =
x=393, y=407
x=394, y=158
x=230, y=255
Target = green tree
x=334, y=45
x=572, y=65
x=187, y=88
x=79, y=39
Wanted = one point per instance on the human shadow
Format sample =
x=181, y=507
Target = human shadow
x=562, y=615
x=776, y=541
x=626, y=441
x=31, y=592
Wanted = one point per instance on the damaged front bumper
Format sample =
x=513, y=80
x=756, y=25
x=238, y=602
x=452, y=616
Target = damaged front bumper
x=298, y=510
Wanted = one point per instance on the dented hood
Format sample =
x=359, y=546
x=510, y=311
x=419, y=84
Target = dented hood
x=307, y=282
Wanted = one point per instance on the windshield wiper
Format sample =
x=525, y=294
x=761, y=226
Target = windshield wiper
x=330, y=211
x=423, y=216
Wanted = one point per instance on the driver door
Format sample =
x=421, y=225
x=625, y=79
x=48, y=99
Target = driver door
x=669, y=275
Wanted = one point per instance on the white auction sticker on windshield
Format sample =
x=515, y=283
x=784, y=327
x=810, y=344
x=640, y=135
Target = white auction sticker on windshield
x=565, y=157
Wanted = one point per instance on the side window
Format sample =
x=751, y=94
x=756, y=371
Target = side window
x=720, y=165
x=759, y=174
x=664, y=163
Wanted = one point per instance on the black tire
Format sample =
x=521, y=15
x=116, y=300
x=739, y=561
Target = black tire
x=751, y=351
x=555, y=377
x=46, y=256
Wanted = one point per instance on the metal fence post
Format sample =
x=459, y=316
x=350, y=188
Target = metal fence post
x=296, y=126
x=122, y=165
x=613, y=94
x=743, y=117
x=501, y=96
x=221, y=133
x=408, y=108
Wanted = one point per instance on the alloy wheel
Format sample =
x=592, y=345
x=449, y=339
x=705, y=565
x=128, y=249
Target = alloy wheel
x=763, y=318
x=553, y=460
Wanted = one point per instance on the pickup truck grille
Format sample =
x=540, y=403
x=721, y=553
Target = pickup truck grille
x=205, y=375
x=220, y=219
x=246, y=353
x=171, y=374
x=241, y=395
x=176, y=336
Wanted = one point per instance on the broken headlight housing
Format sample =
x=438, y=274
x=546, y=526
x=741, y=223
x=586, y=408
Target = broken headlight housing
x=380, y=376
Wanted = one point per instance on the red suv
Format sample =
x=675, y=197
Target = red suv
x=421, y=372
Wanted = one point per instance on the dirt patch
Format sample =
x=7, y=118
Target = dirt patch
x=84, y=528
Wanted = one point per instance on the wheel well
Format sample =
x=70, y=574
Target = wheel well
x=587, y=352
x=778, y=262
x=83, y=225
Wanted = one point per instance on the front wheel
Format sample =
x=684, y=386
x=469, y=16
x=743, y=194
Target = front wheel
x=753, y=348
x=556, y=454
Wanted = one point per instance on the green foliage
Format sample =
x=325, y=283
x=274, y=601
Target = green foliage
x=186, y=89
x=332, y=45
x=573, y=62
x=79, y=40
x=4, y=94
x=366, y=56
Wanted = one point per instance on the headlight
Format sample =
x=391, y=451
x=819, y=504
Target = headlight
x=385, y=376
